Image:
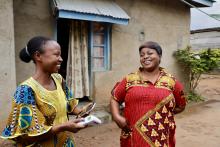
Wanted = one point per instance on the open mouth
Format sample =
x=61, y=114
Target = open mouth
x=147, y=62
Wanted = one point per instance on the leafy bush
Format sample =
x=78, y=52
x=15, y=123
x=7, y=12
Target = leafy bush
x=193, y=96
x=197, y=63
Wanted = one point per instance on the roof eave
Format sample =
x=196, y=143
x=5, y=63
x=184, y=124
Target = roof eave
x=91, y=17
x=205, y=30
x=201, y=3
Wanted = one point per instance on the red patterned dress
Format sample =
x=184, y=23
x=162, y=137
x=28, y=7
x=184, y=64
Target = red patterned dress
x=149, y=109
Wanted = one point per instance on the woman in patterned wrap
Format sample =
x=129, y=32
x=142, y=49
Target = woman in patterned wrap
x=41, y=103
x=151, y=97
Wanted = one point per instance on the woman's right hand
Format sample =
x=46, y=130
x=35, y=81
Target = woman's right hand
x=73, y=125
x=117, y=117
x=122, y=123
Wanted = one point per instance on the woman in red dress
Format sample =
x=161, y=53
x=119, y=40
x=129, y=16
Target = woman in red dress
x=151, y=97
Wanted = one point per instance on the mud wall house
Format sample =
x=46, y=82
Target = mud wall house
x=7, y=58
x=205, y=38
x=100, y=37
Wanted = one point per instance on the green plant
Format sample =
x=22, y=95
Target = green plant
x=193, y=96
x=197, y=63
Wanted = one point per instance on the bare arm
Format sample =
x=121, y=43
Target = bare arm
x=71, y=126
x=117, y=117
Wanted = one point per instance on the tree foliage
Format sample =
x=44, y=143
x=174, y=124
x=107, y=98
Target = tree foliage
x=197, y=63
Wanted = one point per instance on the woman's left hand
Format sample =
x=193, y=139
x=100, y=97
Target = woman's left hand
x=85, y=110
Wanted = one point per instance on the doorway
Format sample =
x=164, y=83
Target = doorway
x=63, y=29
x=72, y=35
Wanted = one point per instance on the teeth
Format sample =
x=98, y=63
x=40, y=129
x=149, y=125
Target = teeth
x=147, y=62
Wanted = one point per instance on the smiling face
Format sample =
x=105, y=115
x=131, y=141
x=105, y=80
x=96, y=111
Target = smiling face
x=50, y=60
x=149, y=59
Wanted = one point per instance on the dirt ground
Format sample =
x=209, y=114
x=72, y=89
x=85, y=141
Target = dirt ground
x=197, y=126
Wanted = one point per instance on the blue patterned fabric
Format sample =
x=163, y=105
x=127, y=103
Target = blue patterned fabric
x=69, y=143
x=69, y=94
x=7, y=131
x=24, y=95
x=24, y=98
x=25, y=117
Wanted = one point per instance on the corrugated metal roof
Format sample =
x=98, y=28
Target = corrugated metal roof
x=201, y=3
x=205, y=30
x=97, y=7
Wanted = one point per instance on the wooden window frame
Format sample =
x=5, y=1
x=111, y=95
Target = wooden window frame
x=107, y=47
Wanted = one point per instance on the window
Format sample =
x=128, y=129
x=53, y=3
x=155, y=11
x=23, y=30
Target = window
x=100, y=46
